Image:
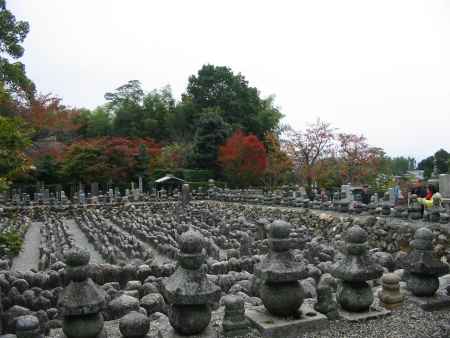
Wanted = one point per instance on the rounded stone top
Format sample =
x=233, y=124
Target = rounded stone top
x=356, y=235
x=27, y=323
x=424, y=234
x=390, y=278
x=191, y=242
x=232, y=302
x=134, y=324
x=280, y=229
x=77, y=257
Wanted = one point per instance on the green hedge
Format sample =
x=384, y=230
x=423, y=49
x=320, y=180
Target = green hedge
x=197, y=175
x=205, y=185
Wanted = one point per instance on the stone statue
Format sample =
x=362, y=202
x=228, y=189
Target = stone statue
x=82, y=301
x=423, y=269
x=279, y=273
x=354, y=294
x=188, y=292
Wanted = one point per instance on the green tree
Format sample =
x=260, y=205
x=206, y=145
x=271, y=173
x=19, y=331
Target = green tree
x=158, y=106
x=47, y=170
x=136, y=114
x=427, y=166
x=126, y=105
x=239, y=104
x=99, y=123
x=212, y=131
x=14, y=140
x=14, y=83
x=398, y=166
x=442, y=158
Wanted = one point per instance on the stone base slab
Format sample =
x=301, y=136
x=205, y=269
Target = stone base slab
x=436, y=302
x=361, y=316
x=169, y=332
x=270, y=326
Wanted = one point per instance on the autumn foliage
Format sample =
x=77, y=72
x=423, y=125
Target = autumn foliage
x=243, y=159
x=101, y=159
x=48, y=116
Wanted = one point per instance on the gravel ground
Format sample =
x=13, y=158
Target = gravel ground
x=82, y=241
x=408, y=321
x=28, y=257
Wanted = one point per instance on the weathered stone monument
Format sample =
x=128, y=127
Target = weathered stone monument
x=82, y=301
x=234, y=324
x=188, y=291
x=280, y=290
x=423, y=272
x=391, y=297
x=354, y=294
x=185, y=195
x=326, y=303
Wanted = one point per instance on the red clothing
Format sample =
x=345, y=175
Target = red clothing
x=429, y=196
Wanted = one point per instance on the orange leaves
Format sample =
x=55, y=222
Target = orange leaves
x=47, y=113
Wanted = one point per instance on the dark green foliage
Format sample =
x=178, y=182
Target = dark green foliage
x=212, y=131
x=427, y=165
x=10, y=244
x=239, y=104
x=442, y=158
x=47, y=170
x=137, y=114
x=197, y=175
x=398, y=166
x=13, y=79
x=95, y=123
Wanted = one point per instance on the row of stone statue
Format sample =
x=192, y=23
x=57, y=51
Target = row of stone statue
x=190, y=294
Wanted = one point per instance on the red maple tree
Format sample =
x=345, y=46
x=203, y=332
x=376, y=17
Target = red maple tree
x=243, y=159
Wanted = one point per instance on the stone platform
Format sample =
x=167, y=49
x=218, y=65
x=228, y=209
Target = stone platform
x=437, y=302
x=270, y=326
x=374, y=312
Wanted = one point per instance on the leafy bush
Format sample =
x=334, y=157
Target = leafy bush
x=10, y=244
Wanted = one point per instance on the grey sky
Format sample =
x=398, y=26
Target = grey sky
x=380, y=68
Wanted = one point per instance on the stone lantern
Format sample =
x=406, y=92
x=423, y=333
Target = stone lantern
x=82, y=301
x=423, y=269
x=281, y=293
x=354, y=294
x=188, y=291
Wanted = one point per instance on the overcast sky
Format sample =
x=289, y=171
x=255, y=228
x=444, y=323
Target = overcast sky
x=378, y=68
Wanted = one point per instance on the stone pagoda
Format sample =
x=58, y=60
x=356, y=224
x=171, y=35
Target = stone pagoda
x=423, y=269
x=188, y=291
x=354, y=294
x=284, y=314
x=82, y=301
x=281, y=293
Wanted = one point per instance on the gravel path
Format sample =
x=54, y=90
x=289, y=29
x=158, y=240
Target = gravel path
x=28, y=257
x=82, y=241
